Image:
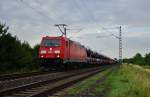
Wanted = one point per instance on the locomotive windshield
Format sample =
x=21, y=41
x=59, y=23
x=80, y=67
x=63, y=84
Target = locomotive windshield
x=50, y=42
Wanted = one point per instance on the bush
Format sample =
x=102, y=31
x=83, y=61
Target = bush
x=139, y=59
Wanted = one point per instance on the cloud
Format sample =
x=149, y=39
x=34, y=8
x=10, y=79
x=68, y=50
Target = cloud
x=32, y=19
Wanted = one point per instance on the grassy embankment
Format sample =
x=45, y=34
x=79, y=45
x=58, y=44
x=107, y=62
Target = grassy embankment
x=86, y=87
x=127, y=81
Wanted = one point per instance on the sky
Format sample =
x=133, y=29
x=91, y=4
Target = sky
x=91, y=22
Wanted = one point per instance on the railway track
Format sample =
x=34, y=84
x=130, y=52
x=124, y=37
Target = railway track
x=51, y=85
x=20, y=75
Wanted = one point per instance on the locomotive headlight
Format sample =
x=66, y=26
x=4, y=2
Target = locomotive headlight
x=57, y=51
x=58, y=56
x=43, y=52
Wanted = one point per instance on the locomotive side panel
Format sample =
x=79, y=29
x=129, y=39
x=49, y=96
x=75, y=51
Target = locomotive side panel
x=77, y=52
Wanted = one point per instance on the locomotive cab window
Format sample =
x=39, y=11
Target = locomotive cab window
x=50, y=42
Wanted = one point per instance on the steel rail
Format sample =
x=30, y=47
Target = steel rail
x=28, y=89
x=19, y=75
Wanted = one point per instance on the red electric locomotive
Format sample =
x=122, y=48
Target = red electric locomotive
x=59, y=52
x=63, y=53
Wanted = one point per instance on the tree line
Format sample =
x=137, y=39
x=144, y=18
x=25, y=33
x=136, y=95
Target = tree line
x=139, y=59
x=14, y=54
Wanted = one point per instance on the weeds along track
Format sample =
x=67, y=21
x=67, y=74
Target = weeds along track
x=47, y=85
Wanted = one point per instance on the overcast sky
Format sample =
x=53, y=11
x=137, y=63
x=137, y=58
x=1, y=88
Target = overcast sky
x=90, y=21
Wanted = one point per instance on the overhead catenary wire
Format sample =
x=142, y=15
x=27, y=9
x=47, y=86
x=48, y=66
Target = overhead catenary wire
x=111, y=34
x=50, y=19
x=43, y=14
x=78, y=7
x=90, y=13
x=37, y=11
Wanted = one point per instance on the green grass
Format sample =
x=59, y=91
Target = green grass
x=129, y=81
x=84, y=85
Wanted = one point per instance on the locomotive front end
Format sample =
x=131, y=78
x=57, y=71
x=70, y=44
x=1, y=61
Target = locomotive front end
x=50, y=52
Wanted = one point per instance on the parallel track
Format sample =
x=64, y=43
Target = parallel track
x=19, y=75
x=50, y=86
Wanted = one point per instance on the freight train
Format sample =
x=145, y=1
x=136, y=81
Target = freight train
x=62, y=53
